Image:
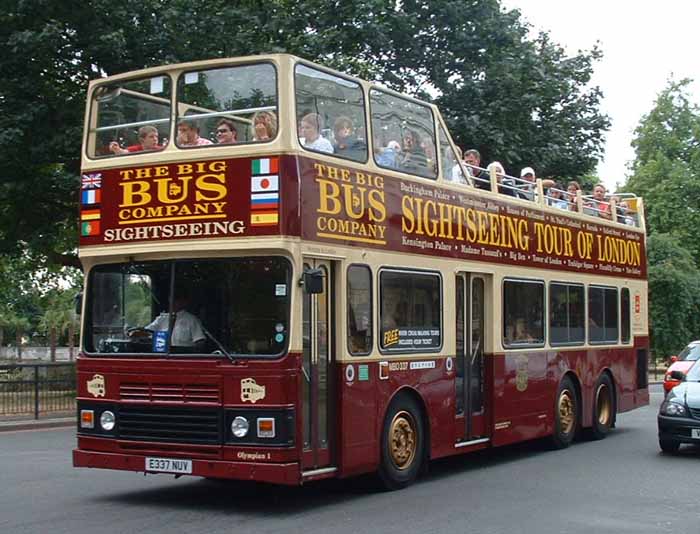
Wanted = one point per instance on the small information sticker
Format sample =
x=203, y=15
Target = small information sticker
x=280, y=290
x=363, y=373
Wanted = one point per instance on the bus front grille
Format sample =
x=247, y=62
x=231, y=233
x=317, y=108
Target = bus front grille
x=174, y=425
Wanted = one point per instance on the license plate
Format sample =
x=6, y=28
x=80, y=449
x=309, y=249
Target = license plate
x=695, y=433
x=169, y=465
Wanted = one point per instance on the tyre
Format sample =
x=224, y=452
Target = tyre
x=566, y=415
x=669, y=446
x=403, y=444
x=603, y=407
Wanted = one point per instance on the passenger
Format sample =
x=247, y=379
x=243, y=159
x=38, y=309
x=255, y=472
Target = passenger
x=480, y=177
x=148, y=140
x=456, y=174
x=310, y=132
x=571, y=189
x=188, y=135
x=412, y=157
x=387, y=156
x=624, y=214
x=347, y=145
x=528, y=189
x=522, y=335
x=503, y=182
x=428, y=147
x=226, y=133
x=264, y=126
x=555, y=197
x=598, y=202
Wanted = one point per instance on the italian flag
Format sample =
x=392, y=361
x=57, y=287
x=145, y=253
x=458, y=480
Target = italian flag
x=265, y=166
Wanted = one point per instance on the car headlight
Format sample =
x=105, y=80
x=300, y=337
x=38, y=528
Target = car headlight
x=240, y=426
x=107, y=420
x=672, y=408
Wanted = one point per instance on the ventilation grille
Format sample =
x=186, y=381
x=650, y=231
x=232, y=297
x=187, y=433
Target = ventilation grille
x=170, y=425
x=179, y=393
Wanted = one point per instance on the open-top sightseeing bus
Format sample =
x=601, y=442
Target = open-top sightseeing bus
x=291, y=275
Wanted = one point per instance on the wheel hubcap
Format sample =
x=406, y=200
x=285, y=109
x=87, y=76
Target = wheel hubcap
x=567, y=413
x=603, y=402
x=403, y=440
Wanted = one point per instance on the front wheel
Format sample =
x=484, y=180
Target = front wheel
x=566, y=415
x=669, y=446
x=403, y=444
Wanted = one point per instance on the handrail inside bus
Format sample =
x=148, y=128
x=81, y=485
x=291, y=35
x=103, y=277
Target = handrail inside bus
x=231, y=112
x=131, y=124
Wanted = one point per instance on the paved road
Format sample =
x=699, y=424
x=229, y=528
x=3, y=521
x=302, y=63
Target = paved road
x=621, y=484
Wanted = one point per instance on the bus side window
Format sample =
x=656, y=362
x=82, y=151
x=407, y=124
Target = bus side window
x=330, y=114
x=359, y=302
x=404, y=134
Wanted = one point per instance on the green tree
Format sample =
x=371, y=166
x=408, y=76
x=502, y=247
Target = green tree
x=674, y=295
x=517, y=99
x=20, y=325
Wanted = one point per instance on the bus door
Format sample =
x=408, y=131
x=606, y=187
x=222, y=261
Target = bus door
x=316, y=369
x=469, y=359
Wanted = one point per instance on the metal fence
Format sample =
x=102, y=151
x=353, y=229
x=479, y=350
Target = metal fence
x=36, y=389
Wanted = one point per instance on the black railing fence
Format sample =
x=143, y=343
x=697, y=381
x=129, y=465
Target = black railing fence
x=36, y=389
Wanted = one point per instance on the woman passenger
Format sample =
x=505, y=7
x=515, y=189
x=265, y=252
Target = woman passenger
x=264, y=126
x=571, y=189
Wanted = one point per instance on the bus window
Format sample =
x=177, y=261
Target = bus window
x=226, y=106
x=404, y=136
x=359, y=309
x=602, y=315
x=451, y=171
x=625, y=315
x=566, y=314
x=330, y=114
x=130, y=117
x=523, y=313
x=410, y=316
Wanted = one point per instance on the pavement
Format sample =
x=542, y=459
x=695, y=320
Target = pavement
x=13, y=424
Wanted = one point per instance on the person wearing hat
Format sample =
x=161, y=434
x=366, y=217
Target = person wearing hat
x=527, y=190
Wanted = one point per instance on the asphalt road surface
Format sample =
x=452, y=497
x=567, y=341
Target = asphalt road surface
x=620, y=484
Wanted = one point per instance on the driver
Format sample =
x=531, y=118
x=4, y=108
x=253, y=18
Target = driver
x=187, y=328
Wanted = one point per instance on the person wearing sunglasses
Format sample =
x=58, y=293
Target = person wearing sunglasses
x=226, y=133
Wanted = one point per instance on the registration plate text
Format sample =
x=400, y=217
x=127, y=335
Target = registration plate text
x=169, y=465
x=695, y=433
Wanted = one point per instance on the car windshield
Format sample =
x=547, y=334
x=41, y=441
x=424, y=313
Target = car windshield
x=201, y=306
x=691, y=353
x=694, y=373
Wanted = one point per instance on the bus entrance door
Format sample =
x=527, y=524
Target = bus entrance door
x=316, y=371
x=469, y=364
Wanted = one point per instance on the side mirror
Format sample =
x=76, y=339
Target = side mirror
x=78, y=303
x=677, y=375
x=674, y=359
x=312, y=280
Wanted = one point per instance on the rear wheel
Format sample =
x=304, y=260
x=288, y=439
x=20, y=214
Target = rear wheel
x=403, y=444
x=603, y=407
x=566, y=418
x=669, y=446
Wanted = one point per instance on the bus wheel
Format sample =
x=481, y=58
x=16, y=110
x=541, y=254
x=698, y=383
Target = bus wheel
x=603, y=407
x=565, y=415
x=403, y=443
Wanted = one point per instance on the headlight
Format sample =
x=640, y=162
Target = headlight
x=672, y=409
x=240, y=426
x=107, y=420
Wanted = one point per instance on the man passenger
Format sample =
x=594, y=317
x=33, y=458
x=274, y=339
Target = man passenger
x=188, y=135
x=472, y=158
x=226, y=133
x=148, y=140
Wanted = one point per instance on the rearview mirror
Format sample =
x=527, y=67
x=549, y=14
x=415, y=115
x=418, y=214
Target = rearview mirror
x=78, y=302
x=312, y=280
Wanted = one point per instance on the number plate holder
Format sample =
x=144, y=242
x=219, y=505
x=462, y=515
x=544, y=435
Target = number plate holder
x=168, y=465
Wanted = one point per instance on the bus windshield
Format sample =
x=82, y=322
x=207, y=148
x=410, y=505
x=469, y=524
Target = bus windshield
x=194, y=306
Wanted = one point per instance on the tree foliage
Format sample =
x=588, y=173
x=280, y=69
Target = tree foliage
x=517, y=99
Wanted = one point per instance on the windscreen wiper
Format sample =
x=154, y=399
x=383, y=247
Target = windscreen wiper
x=218, y=344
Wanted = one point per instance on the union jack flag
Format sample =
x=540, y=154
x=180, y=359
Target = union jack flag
x=92, y=181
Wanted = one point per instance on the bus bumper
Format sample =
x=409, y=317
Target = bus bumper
x=275, y=473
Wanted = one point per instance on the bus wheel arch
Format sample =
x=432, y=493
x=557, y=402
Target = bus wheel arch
x=604, y=408
x=567, y=412
x=404, y=441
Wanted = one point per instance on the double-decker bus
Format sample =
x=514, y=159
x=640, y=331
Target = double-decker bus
x=291, y=275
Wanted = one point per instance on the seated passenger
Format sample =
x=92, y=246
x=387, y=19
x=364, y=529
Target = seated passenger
x=521, y=334
x=387, y=156
x=527, y=189
x=264, y=126
x=555, y=197
x=148, y=140
x=187, y=329
x=310, y=132
x=412, y=157
x=624, y=215
x=346, y=143
x=571, y=189
x=188, y=135
x=226, y=133
x=505, y=186
x=598, y=203
x=481, y=180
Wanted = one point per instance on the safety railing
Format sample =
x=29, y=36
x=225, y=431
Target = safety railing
x=36, y=390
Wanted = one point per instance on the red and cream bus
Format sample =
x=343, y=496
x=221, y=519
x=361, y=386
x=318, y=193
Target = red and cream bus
x=290, y=275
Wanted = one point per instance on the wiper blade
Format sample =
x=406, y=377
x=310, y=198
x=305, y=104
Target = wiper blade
x=218, y=344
